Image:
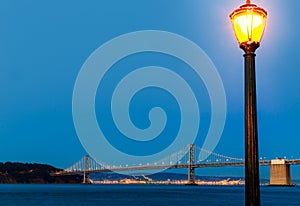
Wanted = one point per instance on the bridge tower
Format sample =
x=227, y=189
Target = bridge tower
x=280, y=174
x=191, y=165
x=87, y=169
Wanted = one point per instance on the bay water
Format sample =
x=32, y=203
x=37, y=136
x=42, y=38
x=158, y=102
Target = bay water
x=140, y=195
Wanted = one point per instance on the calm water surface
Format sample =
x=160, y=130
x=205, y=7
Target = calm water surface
x=140, y=195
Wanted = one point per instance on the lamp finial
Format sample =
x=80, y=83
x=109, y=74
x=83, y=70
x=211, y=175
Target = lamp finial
x=248, y=2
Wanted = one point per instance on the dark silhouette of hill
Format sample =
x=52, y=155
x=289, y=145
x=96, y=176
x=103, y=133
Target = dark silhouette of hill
x=25, y=173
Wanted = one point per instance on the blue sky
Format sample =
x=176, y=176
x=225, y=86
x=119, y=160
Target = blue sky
x=43, y=45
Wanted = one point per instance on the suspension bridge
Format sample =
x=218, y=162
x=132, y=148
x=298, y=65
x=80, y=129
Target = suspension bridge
x=190, y=157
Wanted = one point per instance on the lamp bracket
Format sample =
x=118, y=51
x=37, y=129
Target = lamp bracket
x=249, y=47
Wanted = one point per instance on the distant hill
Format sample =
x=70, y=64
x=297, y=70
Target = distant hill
x=33, y=173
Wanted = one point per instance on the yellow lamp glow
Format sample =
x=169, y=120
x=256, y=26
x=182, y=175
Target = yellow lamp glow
x=248, y=22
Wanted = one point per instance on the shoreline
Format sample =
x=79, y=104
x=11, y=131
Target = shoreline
x=174, y=182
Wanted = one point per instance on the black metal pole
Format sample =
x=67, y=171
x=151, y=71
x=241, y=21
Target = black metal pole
x=251, y=135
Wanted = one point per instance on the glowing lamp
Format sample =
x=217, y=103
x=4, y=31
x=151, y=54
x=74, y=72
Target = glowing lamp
x=248, y=22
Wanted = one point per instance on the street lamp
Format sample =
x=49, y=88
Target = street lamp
x=249, y=23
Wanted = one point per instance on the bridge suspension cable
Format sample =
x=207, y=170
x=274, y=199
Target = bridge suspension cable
x=179, y=159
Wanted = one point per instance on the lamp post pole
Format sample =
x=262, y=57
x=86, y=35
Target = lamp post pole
x=251, y=136
x=249, y=23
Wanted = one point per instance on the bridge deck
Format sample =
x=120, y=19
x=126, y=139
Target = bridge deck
x=176, y=166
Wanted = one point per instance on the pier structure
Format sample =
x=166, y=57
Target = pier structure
x=280, y=173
